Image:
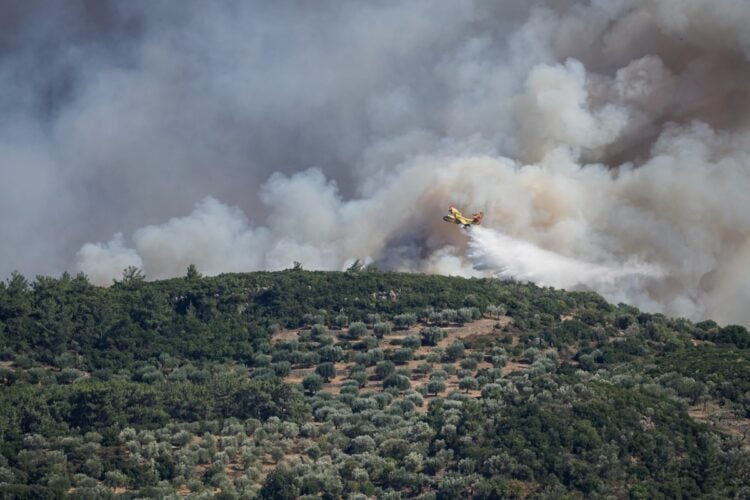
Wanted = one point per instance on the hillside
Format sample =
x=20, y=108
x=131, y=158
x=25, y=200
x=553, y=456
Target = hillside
x=362, y=384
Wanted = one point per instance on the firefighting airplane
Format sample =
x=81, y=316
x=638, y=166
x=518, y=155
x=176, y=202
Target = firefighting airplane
x=457, y=217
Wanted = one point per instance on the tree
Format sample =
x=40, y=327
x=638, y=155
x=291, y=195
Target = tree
x=449, y=315
x=381, y=329
x=401, y=356
x=331, y=353
x=733, y=334
x=372, y=318
x=455, y=351
x=467, y=314
x=431, y=335
x=400, y=382
x=192, y=273
x=496, y=311
x=469, y=364
x=327, y=370
x=318, y=330
x=383, y=369
x=468, y=383
x=435, y=386
x=340, y=321
x=404, y=321
x=357, y=329
x=360, y=378
x=132, y=276
x=312, y=383
x=411, y=342
x=280, y=484
x=282, y=368
x=435, y=318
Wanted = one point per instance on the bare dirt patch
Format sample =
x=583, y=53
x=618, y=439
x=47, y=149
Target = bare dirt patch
x=285, y=336
x=514, y=366
x=479, y=328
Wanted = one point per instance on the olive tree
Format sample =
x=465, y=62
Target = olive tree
x=381, y=329
x=384, y=369
x=468, y=383
x=312, y=383
x=431, y=335
x=356, y=330
x=327, y=370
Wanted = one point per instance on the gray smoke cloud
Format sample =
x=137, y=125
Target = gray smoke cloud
x=606, y=141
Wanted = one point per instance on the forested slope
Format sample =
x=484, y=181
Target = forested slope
x=362, y=384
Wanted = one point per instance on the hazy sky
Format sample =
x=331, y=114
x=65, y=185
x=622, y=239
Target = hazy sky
x=598, y=137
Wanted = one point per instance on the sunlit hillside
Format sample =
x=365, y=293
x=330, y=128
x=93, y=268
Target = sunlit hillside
x=362, y=384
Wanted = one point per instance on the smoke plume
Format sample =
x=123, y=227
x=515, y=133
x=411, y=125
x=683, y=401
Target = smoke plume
x=606, y=141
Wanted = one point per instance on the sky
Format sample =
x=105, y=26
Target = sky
x=606, y=141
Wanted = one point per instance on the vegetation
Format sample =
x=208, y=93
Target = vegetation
x=362, y=384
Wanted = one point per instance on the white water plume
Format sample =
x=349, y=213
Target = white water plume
x=512, y=258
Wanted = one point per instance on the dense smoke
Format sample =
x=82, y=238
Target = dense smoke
x=606, y=141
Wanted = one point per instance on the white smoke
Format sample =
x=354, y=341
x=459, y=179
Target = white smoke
x=606, y=141
x=98, y=260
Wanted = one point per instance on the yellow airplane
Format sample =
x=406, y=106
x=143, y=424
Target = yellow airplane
x=457, y=217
